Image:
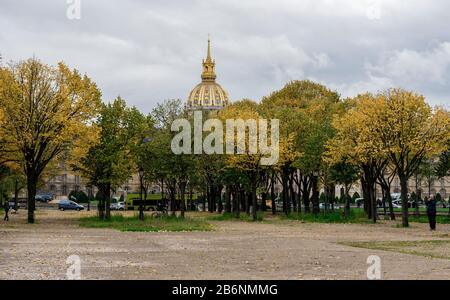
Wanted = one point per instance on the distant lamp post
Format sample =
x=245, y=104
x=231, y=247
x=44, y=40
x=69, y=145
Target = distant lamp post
x=141, y=202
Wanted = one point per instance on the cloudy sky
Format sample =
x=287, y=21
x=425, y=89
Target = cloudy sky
x=148, y=51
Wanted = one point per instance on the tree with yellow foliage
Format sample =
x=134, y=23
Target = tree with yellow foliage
x=396, y=129
x=355, y=143
x=47, y=112
x=305, y=110
x=408, y=130
x=248, y=164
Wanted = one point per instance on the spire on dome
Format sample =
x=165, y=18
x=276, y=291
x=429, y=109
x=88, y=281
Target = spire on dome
x=208, y=57
x=209, y=65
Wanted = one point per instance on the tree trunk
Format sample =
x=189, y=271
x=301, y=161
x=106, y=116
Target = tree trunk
x=416, y=201
x=384, y=196
x=347, y=202
x=16, y=195
x=219, y=198
x=391, y=207
x=248, y=200
x=100, y=205
x=173, y=199
x=108, y=202
x=227, y=199
x=367, y=197
x=263, y=201
x=211, y=205
x=306, y=194
x=238, y=203
x=254, y=202
x=183, y=192
x=374, y=204
x=292, y=192
x=31, y=204
x=332, y=195
x=272, y=194
x=449, y=207
x=315, y=195
x=285, y=193
x=404, y=192
x=204, y=201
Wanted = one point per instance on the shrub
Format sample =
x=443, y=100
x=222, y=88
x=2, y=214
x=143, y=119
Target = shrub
x=355, y=196
x=322, y=198
x=80, y=196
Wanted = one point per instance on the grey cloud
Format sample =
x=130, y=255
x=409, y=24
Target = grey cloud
x=148, y=51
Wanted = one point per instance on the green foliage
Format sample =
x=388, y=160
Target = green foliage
x=80, y=196
x=424, y=219
x=443, y=167
x=344, y=173
x=149, y=224
x=356, y=216
x=232, y=217
x=46, y=114
x=111, y=161
x=99, y=196
x=322, y=197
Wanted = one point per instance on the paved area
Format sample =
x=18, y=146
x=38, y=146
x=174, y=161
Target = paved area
x=234, y=250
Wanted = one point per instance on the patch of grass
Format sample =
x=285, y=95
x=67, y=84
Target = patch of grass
x=424, y=219
x=330, y=217
x=421, y=248
x=150, y=224
x=232, y=217
x=421, y=210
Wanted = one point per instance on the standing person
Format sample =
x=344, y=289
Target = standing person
x=6, y=207
x=431, y=212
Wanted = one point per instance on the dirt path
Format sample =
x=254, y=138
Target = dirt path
x=235, y=250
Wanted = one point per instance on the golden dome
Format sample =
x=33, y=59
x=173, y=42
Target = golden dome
x=208, y=94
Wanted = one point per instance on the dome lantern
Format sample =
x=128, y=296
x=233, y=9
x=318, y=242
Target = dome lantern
x=208, y=95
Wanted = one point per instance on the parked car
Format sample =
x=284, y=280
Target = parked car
x=69, y=205
x=117, y=206
x=396, y=204
x=43, y=197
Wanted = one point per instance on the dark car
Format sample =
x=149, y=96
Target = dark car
x=69, y=205
x=43, y=197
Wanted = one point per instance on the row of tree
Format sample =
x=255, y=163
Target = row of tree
x=50, y=115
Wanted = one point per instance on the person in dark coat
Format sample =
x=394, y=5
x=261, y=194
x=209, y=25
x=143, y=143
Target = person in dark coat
x=6, y=207
x=431, y=212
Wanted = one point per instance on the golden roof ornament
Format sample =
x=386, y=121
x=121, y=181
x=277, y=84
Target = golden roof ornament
x=208, y=95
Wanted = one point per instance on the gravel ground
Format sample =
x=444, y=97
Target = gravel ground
x=234, y=250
